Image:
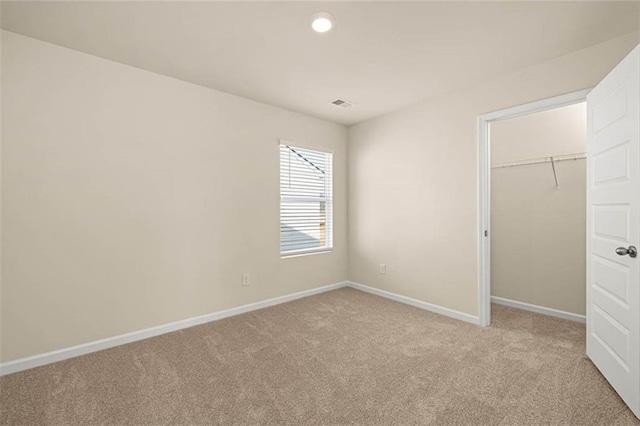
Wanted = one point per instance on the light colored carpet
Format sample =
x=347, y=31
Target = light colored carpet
x=343, y=357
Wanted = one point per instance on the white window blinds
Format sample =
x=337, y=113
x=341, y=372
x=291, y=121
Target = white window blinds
x=306, y=207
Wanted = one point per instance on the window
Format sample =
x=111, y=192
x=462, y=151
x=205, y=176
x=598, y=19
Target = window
x=306, y=207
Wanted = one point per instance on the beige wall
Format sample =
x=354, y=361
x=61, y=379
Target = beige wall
x=413, y=180
x=538, y=244
x=555, y=132
x=132, y=199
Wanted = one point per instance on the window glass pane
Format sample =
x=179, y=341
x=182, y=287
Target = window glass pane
x=302, y=172
x=303, y=225
x=305, y=199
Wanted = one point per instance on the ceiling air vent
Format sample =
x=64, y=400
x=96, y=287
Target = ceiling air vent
x=343, y=103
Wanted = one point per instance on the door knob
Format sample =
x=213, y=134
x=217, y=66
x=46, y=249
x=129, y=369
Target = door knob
x=631, y=251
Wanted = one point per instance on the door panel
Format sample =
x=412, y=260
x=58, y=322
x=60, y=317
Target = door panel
x=611, y=165
x=612, y=279
x=611, y=109
x=613, y=220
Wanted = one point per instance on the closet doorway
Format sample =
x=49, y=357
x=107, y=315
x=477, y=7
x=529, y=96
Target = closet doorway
x=533, y=218
x=538, y=212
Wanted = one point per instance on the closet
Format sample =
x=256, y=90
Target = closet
x=538, y=211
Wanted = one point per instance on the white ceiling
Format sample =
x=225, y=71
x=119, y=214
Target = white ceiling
x=382, y=55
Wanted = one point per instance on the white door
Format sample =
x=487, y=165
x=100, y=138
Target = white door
x=613, y=228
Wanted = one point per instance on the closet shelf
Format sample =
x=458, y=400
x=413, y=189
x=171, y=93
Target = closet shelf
x=554, y=158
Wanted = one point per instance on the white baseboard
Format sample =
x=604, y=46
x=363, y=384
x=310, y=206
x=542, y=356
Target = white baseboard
x=417, y=303
x=110, y=342
x=539, y=309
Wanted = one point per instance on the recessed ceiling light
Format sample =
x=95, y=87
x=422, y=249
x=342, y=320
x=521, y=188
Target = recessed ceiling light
x=321, y=22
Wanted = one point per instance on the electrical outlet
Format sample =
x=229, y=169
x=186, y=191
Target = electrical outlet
x=246, y=279
x=383, y=268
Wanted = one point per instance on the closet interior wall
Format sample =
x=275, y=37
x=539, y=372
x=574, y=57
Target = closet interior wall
x=538, y=209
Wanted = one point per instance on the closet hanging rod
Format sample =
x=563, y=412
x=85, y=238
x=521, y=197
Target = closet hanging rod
x=555, y=158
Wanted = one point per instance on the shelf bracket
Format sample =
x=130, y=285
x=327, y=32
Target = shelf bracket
x=555, y=175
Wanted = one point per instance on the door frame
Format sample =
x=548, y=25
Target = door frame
x=484, y=187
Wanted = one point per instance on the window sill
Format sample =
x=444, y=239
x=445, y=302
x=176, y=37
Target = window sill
x=305, y=253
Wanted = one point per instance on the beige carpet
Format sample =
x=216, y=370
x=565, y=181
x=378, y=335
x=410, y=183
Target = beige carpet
x=343, y=357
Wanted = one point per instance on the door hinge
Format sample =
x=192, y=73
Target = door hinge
x=486, y=233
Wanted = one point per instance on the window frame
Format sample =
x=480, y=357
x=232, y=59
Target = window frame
x=327, y=199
